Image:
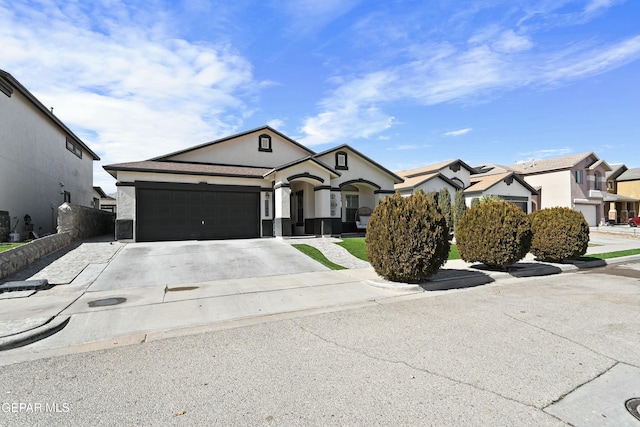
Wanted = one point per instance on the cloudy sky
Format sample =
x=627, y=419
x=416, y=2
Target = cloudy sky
x=406, y=82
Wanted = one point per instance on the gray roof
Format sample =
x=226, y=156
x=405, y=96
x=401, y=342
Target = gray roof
x=557, y=163
x=630, y=175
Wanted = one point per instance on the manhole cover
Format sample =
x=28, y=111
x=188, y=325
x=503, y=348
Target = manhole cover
x=107, y=302
x=633, y=406
x=182, y=288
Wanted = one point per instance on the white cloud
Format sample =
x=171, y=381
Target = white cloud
x=125, y=85
x=277, y=124
x=458, y=132
x=509, y=42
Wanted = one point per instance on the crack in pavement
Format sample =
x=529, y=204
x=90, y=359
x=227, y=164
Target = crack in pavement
x=580, y=385
x=560, y=336
x=408, y=365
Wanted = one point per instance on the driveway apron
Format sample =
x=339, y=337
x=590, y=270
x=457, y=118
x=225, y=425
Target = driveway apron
x=176, y=263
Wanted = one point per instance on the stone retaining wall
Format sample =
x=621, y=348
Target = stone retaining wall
x=82, y=222
x=17, y=258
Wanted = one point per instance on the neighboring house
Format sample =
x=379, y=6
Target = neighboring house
x=628, y=185
x=103, y=201
x=476, y=182
x=577, y=181
x=618, y=204
x=453, y=175
x=505, y=184
x=42, y=162
x=256, y=183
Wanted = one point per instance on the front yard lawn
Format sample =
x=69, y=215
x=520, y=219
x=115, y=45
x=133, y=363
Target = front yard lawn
x=358, y=248
x=315, y=254
x=7, y=246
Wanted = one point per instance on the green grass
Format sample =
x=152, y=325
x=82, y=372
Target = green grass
x=7, y=246
x=315, y=254
x=609, y=255
x=358, y=248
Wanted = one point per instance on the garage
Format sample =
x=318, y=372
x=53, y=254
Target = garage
x=196, y=212
x=589, y=212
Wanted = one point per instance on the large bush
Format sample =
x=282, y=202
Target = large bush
x=496, y=233
x=407, y=238
x=559, y=234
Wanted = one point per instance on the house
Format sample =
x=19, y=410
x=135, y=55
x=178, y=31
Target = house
x=453, y=175
x=627, y=185
x=577, y=181
x=478, y=181
x=258, y=183
x=42, y=164
x=505, y=184
x=103, y=201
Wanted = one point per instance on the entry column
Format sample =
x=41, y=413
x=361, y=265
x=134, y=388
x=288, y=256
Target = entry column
x=282, y=202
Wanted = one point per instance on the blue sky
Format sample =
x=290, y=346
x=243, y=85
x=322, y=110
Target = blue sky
x=408, y=83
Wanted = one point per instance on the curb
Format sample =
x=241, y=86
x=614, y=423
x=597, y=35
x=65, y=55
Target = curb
x=53, y=326
x=543, y=269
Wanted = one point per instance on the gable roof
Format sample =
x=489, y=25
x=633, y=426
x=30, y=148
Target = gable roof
x=416, y=181
x=491, y=169
x=616, y=170
x=187, y=169
x=395, y=177
x=312, y=159
x=483, y=182
x=434, y=168
x=557, y=163
x=630, y=175
x=8, y=83
x=227, y=138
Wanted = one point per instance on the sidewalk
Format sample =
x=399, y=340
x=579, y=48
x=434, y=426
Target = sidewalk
x=78, y=317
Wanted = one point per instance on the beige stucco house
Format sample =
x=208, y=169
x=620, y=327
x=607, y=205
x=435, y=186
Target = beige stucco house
x=453, y=175
x=628, y=186
x=42, y=164
x=256, y=183
x=577, y=181
x=505, y=184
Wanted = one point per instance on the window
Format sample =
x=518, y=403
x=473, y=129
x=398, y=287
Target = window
x=67, y=197
x=266, y=205
x=352, y=207
x=75, y=149
x=579, y=177
x=341, y=160
x=596, y=182
x=264, y=143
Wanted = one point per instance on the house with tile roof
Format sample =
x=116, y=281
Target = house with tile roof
x=507, y=185
x=576, y=181
x=259, y=183
x=453, y=175
x=628, y=185
x=42, y=163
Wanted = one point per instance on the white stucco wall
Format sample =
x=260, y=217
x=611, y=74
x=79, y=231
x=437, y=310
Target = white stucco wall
x=243, y=150
x=34, y=161
x=556, y=188
x=462, y=174
x=359, y=168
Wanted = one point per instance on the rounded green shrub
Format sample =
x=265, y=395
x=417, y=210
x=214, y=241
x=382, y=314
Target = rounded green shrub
x=495, y=233
x=407, y=238
x=558, y=234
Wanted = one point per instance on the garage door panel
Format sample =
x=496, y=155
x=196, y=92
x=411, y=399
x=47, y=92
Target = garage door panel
x=193, y=214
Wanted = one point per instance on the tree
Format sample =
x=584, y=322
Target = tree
x=460, y=207
x=444, y=202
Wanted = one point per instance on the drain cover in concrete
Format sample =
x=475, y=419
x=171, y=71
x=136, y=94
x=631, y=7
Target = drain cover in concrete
x=25, y=285
x=106, y=302
x=633, y=406
x=605, y=401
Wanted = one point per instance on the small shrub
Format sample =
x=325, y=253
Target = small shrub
x=444, y=203
x=459, y=207
x=407, y=238
x=559, y=234
x=496, y=233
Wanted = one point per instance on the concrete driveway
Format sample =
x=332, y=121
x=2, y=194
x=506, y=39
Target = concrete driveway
x=177, y=263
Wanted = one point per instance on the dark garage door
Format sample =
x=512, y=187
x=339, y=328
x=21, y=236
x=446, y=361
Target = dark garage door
x=189, y=213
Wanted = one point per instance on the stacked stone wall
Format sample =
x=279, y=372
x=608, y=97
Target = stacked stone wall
x=82, y=222
x=17, y=258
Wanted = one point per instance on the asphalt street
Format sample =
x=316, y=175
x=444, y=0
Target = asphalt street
x=541, y=351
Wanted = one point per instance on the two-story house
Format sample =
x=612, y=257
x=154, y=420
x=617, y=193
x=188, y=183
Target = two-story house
x=42, y=162
x=577, y=181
